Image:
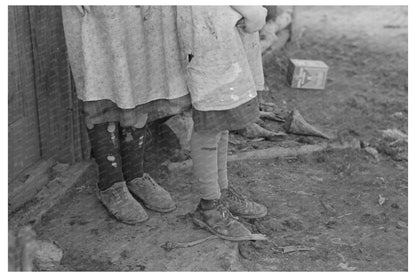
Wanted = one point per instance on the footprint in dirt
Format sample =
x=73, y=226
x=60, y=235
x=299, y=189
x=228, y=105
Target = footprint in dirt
x=293, y=224
x=374, y=219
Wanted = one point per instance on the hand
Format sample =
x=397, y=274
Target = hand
x=254, y=18
x=84, y=9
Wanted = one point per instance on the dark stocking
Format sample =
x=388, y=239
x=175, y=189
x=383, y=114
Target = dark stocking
x=106, y=151
x=132, y=142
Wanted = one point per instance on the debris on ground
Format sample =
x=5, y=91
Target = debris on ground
x=22, y=248
x=294, y=248
x=339, y=241
x=381, y=200
x=255, y=131
x=396, y=152
x=296, y=124
x=316, y=178
x=398, y=115
x=373, y=152
x=60, y=167
x=345, y=266
x=48, y=256
x=394, y=134
x=271, y=116
x=328, y=208
x=298, y=74
x=268, y=106
x=275, y=152
x=402, y=224
x=170, y=245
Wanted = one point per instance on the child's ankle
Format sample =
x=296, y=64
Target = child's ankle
x=208, y=204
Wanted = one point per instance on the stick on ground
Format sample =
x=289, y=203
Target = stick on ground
x=274, y=152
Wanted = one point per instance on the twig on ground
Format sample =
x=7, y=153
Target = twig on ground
x=169, y=245
x=294, y=248
x=256, y=131
x=341, y=216
x=271, y=115
x=274, y=152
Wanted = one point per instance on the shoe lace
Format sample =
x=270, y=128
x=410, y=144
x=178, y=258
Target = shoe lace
x=117, y=194
x=150, y=179
x=236, y=196
x=224, y=211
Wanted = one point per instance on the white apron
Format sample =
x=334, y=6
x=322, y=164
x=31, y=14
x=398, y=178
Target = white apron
x=127, y=54
x=226, y=67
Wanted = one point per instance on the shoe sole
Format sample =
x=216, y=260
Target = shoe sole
x=150, y=207
x=111, y=214
x=135, y=222
x=158, y=209
x=203, y=225
x=251, y=216
x=130, y=222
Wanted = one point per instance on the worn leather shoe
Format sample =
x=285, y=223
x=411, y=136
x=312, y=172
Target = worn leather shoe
x=153, y=196
x=240, y=206
x=219, y=221
x=120, y=203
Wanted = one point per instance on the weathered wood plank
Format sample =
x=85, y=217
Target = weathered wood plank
x=84, y=173
x=274, y=152
x=23, y=189
x=23, y=124
x=58, y=111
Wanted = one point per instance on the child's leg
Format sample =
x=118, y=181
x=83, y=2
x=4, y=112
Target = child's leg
x=204, y=149
x=132, y=151
x=222, y=160
x=105, y=147
x=211, y=213
x=113, y=191
x=237, y=203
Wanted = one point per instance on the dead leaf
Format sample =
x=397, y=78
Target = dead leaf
x=346, y=267
x=256, y=139
x=394, y=134
x=294, y=248
x=254, y=131
x=328, y=207
x=398, y=115
x=381, y=200
x=373, y=152
x=338, y=241
x=296, y=124
x=271, y=115
x=402, y=224
x=316, y=178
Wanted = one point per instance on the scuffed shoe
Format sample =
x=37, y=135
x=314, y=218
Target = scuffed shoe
x=241, y=206
x=120, y=203
x=153, y=196
x=221, y=222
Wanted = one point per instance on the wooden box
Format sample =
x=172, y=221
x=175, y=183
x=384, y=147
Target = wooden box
x=307, y=74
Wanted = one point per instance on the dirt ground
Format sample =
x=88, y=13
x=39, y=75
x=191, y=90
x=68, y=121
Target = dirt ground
x=337, y=210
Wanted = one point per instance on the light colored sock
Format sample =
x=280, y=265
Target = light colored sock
x=204, y=149
x=222, y=160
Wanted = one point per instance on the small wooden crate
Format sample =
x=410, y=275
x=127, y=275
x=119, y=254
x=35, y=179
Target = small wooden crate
x=307, y=74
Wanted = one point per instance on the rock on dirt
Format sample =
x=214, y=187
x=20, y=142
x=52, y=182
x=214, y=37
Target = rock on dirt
x=373, y=152
x=48, y=256
x=394, y=134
